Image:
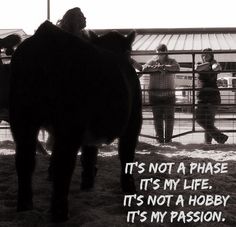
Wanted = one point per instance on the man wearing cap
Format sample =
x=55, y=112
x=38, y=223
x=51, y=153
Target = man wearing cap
x=161, y=92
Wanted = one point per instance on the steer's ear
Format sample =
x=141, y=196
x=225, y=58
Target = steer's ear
x=130, y=37
x=11, y=40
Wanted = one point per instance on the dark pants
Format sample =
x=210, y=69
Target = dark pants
x=163, y=114
x=205, y=116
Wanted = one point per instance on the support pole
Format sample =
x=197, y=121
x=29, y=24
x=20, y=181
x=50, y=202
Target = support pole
x=48, y=10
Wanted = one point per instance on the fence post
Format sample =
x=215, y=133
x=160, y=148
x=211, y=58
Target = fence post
x=194, y=87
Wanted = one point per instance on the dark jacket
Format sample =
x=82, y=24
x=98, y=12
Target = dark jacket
x=209, y=92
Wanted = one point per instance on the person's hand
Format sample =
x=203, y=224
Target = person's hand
x=147, y=67
x=150, y=68
x=158, y=67
x=154, y=68
x=161, y=67
x=216, y=67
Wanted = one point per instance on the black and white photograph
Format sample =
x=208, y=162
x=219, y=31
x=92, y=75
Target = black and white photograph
x=117, y=113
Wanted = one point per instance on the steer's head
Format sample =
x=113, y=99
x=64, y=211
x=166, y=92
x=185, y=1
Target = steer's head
x=114, y=41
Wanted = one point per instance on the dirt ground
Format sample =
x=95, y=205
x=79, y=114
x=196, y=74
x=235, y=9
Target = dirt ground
x=103, y=207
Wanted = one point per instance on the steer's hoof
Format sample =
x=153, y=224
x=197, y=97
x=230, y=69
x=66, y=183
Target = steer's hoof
x=88, y=179
x=128, y=184
x=59, y=209
x=24, y=206
x=59, y=217
x=50, y=174
x=87, y=185
x=59, y=213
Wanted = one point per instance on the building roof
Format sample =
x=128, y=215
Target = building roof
x=176, y=39
x=6, y=32
x=185, y=40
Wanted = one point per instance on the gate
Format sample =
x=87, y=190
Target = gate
x=185, y=110
x=187, y=107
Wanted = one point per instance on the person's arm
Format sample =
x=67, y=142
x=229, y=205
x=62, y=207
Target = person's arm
x=136, y=64
x=150, y=66
x=203, y=67
x=215, y=66
x=174, y=66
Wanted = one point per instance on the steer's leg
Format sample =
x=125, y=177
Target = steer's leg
x=25, y=136
x=89, y=170
x=62, y=163
x=126, y=149
x=126, y=153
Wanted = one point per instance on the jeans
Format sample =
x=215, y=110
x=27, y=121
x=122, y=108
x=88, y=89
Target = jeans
x=205, y=116
x=163, y=114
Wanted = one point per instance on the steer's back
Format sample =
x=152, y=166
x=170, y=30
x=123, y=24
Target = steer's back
x=56, y=76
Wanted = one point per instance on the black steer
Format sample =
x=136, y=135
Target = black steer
x=5, y=75
x=86, y=94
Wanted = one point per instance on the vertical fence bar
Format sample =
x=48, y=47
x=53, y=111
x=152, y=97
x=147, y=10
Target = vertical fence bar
x=194, y=89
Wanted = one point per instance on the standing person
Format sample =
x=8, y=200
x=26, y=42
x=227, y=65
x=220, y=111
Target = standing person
x=74, y=22
x=209, y=97
x=161, y=94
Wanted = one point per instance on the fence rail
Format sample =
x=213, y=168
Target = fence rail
x=193, y=90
